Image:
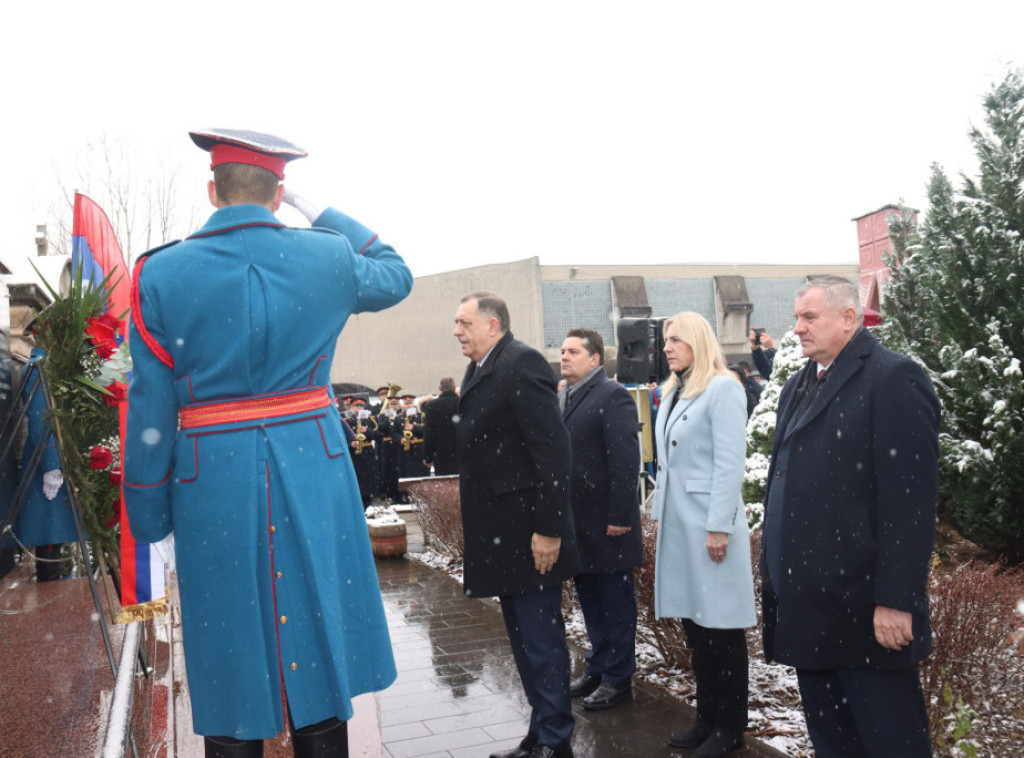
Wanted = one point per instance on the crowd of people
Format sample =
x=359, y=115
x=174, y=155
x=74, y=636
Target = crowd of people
x=401, y=437
x=235, y=446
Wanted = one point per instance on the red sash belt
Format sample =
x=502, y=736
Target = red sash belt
x=253, y=408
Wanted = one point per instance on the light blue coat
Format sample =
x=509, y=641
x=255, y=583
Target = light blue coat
x=275, y=572
x=701, y=454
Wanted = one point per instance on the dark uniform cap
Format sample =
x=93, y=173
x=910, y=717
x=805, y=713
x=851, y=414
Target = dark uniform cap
x=252, y=148
x=408, y=396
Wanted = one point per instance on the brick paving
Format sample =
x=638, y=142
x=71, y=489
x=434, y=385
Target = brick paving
x=458, y=695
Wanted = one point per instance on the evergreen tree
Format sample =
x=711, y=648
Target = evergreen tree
x=956, y=303
x=789, y=359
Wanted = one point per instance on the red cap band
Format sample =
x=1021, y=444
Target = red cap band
x=225, y=153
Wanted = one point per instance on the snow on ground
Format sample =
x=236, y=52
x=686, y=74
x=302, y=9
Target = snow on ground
x=774, y=711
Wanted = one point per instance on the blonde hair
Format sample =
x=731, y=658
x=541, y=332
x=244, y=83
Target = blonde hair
x=695, y=331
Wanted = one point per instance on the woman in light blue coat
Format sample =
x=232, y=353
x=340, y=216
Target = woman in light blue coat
x=702, y=569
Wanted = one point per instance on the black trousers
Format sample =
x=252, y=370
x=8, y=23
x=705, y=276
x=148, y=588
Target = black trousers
x=720, y=667
x=47, y=570
x=536, y=631
x=865, y=713
x=608, y=602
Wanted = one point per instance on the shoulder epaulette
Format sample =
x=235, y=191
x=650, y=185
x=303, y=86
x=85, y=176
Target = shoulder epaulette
x=156, y=249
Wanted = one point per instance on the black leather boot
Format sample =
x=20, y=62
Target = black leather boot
x=328, y=739
x=228, y=747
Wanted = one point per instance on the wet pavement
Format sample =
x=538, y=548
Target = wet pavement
x=458, y=694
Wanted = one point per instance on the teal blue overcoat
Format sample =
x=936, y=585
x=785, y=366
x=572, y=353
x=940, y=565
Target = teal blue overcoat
x=279, y=595
x=42, y=521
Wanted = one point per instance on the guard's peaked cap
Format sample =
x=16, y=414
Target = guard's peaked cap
x=252, y=148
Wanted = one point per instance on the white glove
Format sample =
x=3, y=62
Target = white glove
x=52, y=482
x=165, y=549
x=301, y=204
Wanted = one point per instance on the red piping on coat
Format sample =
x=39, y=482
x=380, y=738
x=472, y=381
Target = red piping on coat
x=136, y=301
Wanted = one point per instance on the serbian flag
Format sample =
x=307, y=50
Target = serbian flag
x=95, y=249
x=143, y=577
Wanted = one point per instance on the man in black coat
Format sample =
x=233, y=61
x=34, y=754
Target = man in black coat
x=602, y=421
x=849, y=529
x=514, y=468
x=441, y=418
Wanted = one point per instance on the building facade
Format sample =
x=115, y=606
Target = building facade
x=412, y=343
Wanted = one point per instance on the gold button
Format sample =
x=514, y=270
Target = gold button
x=273, y=529
x=279, y=574
x=284, y=619
x=294, y=666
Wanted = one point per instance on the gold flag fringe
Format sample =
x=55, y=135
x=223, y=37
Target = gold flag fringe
x=142, y=611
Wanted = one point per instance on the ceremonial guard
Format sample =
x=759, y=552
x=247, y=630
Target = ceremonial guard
x=45, y=519
x=364, y=451
x=233, y=444
x=410, y=460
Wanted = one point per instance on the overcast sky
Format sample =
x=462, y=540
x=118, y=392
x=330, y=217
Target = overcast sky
x=478, y=132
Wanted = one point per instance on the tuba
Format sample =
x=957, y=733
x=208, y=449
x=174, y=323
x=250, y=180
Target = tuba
x=393, y=390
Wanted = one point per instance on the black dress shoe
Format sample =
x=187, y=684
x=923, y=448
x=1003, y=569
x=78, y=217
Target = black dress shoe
x=606, y=696
x=522, y=750
x=582, y=686
x=719, y=744
x=546, y=751
x=692, y=737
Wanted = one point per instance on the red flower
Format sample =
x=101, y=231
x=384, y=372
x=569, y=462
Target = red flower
x=116, y=395
x=106, y=349
x=102, y=332
x=100, y=457
x=116, y=515
x=115, y=477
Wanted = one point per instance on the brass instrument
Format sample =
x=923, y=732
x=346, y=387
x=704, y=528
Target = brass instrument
x=360, y=443
x=393, y=390
x=406, y=440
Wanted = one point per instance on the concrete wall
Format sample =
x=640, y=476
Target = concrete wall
x=412, y=343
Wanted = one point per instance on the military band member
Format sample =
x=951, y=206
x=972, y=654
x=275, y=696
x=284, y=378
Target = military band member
x=411, y=457
x=364, y=452
x=389, y=425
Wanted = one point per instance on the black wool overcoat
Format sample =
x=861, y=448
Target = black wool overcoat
x=850, y=511
x=602, y=421
x=441, y=416
x=514, y=465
